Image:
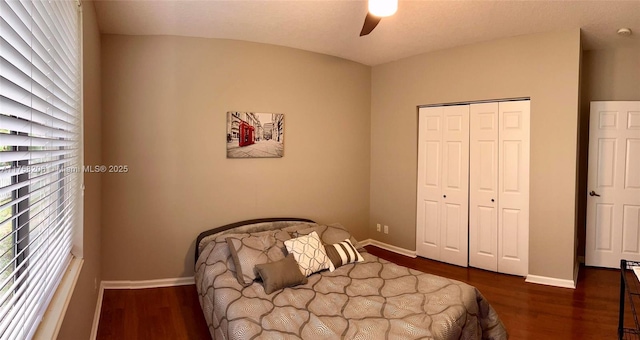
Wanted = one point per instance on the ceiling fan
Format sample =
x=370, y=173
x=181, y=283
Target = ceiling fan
x=377, y=10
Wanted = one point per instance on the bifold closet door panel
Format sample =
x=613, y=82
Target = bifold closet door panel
x=443, y=184
x=454, y=235
x=513, y=177
x=483, y=186
x=499, y=187
x=429, y=182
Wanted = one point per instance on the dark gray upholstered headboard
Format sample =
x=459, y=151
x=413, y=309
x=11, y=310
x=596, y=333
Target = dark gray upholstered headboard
x=239, y=224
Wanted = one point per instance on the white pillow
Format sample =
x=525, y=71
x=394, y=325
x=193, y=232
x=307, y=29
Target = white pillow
x=309, y=253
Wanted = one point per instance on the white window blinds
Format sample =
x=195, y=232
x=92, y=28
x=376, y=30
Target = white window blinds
x=39, y=144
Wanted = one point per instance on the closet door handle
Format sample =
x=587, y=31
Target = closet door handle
x=593, y=193
x=445, y=196
x=492, y=200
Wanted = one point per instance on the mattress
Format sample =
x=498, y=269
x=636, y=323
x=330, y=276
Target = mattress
x=373, y=299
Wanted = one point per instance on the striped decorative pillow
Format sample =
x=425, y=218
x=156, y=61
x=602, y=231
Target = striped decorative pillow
x=342, y=253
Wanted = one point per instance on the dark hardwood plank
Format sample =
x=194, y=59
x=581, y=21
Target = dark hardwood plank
x=529, y=311
x=155, y=313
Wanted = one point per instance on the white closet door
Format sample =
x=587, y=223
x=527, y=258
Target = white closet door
x=429, y=182
x=454, y=235
x=613, y=208
x=513, y=200
x=443, y=184
x=483, y=186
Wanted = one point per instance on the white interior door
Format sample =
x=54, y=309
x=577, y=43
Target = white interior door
x=513, y=185
x=483, y=186
x=443, y=184
x=429, y=182
x=613, y=205
x=454, y=235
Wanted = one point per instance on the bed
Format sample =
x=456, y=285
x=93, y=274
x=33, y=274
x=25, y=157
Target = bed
x=367, y=298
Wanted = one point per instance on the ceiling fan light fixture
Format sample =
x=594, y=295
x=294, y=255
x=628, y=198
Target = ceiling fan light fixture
x=383, y=8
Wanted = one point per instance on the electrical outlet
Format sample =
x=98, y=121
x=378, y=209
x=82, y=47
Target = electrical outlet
x=378, y=227
x=386, y=229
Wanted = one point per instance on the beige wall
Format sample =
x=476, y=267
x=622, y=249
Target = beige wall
x=165, y=101
x=79, y=316
x=611, y=75
x=544, y=67
x=606, y=75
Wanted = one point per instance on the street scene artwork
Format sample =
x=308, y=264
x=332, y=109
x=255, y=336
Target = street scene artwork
x=255, y=135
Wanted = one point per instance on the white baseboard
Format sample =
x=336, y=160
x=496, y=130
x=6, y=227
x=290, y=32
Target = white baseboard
x=552, y=281
x=389, y=247
x=543, y=280
x=178, y=281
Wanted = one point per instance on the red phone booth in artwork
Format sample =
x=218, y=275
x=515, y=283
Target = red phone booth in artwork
x=246, y=134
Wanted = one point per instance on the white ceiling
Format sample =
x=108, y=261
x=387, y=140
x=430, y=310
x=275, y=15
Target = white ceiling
x=333, y=27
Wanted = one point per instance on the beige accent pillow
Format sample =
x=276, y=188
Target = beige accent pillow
x=248, y=250
x=280, y=274
x=309, y=253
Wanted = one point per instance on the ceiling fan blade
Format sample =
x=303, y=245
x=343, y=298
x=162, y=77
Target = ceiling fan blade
x=370, y=22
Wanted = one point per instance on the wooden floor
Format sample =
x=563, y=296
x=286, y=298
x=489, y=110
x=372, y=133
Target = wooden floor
x=155, y=314
x=529, y=311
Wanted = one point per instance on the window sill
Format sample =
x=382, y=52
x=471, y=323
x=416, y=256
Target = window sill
x=52, y=319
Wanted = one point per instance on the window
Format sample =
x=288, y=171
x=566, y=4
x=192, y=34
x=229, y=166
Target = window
x=40, y=91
